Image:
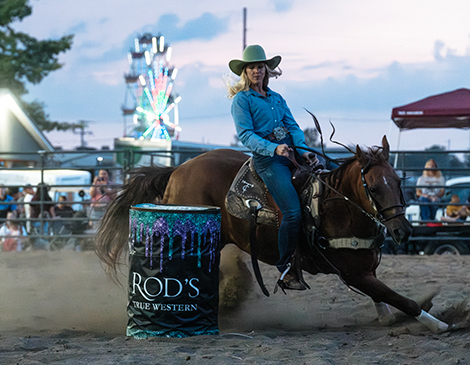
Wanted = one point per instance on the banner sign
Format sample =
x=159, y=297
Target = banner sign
x=174, y=270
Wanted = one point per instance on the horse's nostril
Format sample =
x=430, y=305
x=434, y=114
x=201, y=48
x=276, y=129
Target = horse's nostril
x=400, y=235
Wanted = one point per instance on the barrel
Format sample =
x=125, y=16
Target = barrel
x=174, y=257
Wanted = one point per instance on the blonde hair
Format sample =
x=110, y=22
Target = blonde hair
x=431, y=164
x=243, y=83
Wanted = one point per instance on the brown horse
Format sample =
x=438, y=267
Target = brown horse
x=359, y=197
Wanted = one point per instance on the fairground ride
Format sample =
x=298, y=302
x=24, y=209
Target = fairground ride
x=149, y=98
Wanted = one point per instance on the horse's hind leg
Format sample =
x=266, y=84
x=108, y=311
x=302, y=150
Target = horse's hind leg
x=382, y=295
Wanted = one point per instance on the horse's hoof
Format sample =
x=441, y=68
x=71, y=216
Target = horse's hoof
x=387, y=320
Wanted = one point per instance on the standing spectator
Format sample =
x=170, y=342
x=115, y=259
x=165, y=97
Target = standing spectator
x=12, y=227
x=430, y=190
x=42, y=203
x=101, y=194
x=6, y=202
x=28, y=196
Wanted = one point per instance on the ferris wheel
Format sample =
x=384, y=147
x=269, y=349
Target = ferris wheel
x=149, y=85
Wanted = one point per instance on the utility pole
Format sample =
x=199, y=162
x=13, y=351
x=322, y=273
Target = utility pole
x=81, y=126
x=244, y=28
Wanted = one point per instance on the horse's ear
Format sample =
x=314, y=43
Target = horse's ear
x=386, y=148
x=359, y=152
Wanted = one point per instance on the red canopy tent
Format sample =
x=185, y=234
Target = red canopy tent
x=447, y=110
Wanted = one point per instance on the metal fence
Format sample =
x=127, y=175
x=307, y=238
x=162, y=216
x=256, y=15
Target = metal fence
x=78, y=232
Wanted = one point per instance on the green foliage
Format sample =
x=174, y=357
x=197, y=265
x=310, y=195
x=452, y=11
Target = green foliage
x=26, y=59
x=42, y=119
x=312, y=137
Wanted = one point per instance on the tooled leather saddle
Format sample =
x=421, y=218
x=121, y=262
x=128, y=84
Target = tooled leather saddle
x=248, y=189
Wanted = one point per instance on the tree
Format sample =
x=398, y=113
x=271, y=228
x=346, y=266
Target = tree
x=312, y=137
x=25, y=59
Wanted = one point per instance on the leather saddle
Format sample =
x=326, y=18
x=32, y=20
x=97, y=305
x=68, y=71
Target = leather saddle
x=248, y=189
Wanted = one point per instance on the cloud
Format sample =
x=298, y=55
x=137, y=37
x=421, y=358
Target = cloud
x=206, y=27
x=394, y=85
x=282, y=6
x=80, y=27
x=326, y=64
x=439, y=50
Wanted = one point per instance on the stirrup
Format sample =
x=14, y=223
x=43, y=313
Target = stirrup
x=285, y=286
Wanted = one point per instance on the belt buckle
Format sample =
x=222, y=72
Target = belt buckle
x=280, y=133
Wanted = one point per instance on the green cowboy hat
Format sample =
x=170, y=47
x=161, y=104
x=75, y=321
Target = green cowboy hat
x=253, y=54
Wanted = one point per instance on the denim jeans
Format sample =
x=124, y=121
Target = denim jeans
x=428, y=212
x=276, y=174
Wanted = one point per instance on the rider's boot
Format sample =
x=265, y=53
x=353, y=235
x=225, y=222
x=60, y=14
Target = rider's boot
x=289, y=280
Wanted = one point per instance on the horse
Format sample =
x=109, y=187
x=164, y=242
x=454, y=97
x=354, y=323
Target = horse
x=359, y=197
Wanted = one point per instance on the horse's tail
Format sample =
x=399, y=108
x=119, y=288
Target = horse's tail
x=147, y=185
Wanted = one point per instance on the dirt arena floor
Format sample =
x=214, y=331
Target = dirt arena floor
x=60, y=308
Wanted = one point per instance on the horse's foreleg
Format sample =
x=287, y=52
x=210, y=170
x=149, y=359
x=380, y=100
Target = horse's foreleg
x=382, y=295
x=432, y=323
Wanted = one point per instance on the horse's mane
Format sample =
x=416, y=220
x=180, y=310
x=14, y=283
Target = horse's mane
x=369, y=157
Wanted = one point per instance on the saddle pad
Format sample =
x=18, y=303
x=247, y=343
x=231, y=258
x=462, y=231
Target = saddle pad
x=248, y=186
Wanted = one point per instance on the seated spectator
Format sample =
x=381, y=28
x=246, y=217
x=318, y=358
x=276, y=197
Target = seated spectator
x=456, y=213
x=430, y=189
x=62, y=210
x=6, y=201
x=11, y=227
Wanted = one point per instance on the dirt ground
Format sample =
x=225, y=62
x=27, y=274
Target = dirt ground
x=60, y=308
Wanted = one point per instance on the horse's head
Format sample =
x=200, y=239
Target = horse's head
x=382, y=188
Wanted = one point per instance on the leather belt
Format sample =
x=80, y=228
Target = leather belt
x=278, y=134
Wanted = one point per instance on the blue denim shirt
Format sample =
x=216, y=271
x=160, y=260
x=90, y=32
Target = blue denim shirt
x=256, y=116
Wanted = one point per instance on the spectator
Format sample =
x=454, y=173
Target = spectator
x=456, y=213
x=12, y=227
x=6, y=201
x=62, y=210
x=28, y=196
x=42, y=207
x=430, y=190
x=101, y=194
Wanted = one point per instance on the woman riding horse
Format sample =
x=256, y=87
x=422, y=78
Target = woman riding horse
x=265, y=125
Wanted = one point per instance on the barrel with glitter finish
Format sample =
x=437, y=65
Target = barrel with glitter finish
x=174, y=271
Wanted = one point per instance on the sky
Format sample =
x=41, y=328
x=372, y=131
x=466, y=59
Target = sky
x=348, y=62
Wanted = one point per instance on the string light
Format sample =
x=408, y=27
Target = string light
x=168, y=54
x=154, y=44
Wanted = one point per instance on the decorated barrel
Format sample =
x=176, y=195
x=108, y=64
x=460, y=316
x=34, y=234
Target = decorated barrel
x=174, y=271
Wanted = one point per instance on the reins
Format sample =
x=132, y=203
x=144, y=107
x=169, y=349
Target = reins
x=355, y=205
x=366, y=190
x=378, y=220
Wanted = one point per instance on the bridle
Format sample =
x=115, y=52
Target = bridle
x=381, y=213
